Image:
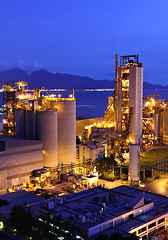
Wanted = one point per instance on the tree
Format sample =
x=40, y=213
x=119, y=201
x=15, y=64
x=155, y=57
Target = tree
x=23, y=224
x=101, y=236
x=21, y=220
x=124, y=177
x=105, y=167
x=121, y=158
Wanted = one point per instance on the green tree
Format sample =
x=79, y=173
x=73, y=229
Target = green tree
x=101, y=236
x=105, y=167
x=124, y=177
x=21, y=221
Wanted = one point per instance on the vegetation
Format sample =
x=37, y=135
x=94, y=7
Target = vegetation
x=124, y=177
x=154, y=156
x=157, y=176
x=3, y=202
x=22, y=223
x=105, y=167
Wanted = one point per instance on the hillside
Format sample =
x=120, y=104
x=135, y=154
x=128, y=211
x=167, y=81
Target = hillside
x=50, y=80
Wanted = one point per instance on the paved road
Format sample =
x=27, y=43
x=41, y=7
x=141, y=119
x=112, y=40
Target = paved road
x=159, y=186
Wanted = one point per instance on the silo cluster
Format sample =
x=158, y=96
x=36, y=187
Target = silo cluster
x=54, y=125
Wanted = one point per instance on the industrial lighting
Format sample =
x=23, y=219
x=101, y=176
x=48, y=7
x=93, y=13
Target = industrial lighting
x=1, y=225
x=5, y=121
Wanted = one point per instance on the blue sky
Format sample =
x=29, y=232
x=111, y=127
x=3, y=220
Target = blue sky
x=82, y=36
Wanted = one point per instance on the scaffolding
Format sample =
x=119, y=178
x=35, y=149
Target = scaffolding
x=11, y=92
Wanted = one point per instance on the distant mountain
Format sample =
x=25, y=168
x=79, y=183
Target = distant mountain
x=15, y=74
x=49, y=80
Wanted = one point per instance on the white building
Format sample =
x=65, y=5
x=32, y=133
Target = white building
x=123, y=208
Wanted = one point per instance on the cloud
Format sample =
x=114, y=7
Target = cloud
x=5, y=66
x=29, y=67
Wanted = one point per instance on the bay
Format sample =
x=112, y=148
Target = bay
x=93, y=103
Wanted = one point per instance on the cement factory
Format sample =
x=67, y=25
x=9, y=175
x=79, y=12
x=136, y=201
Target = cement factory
x=42, y=140
x=39, y=131
x=132, y=123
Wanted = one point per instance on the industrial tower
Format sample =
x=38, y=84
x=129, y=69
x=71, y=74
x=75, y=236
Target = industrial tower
x=128, y=108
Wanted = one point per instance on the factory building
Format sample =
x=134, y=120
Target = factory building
x=91, y=151
x=124, y=209
x=128, y=103
x=47, y=118
x=18, y=158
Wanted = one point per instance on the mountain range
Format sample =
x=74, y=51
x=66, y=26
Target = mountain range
x=40, y=78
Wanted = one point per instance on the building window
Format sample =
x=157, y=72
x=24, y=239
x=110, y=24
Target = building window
x=142, y=230
x=131, y=215
x=151, y=225
x=161, y=220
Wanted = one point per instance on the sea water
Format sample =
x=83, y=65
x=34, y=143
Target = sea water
x=93, y=103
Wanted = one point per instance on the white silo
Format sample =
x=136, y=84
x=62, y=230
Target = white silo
x=66, y=110
x=47, y=132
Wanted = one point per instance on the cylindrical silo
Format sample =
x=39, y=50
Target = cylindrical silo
x=66, y=110
x=47, y=132
x=30, y=124
x=20, y=121
x=134, y=164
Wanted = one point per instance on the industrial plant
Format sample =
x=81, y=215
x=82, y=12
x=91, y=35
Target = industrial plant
x=132, y=123
x=42, y=140
x=33, y=119
x=41, y=128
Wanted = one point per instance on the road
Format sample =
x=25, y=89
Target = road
x=159, y=186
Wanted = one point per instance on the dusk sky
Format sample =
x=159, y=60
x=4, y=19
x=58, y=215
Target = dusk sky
x=82, y=36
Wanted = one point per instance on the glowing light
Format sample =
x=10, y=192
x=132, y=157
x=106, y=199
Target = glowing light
x=4, y=121
x=24, y=96
x=1, y=225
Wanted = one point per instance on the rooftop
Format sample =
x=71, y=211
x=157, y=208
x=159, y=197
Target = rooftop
x=100, y=204
x=18, y=198
x=7, y=142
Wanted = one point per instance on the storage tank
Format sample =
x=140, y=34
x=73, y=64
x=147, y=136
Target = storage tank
x=66, y=110
x=20, y=121
x=47, y=132
x=30, y=124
